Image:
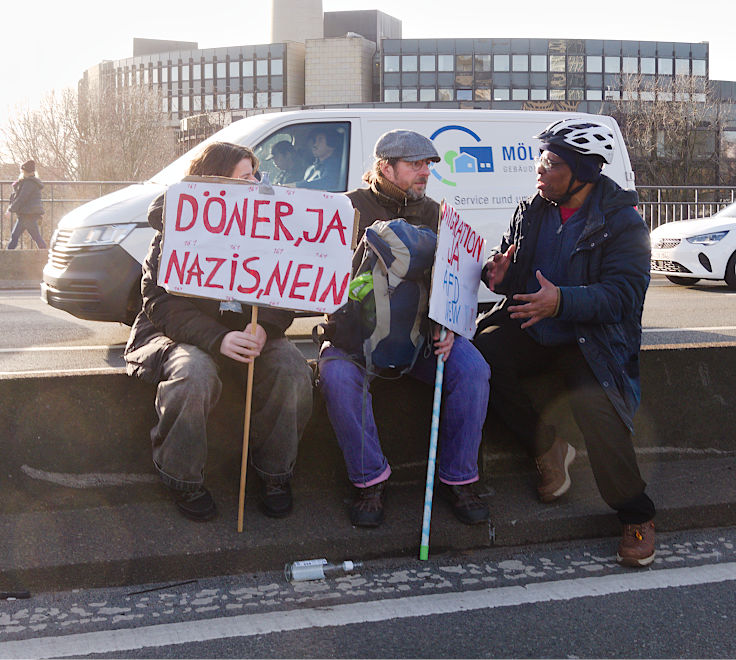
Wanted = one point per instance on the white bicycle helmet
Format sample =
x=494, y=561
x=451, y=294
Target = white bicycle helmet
x=584, y=137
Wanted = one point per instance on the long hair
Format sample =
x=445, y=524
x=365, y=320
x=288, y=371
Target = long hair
x=220, y=159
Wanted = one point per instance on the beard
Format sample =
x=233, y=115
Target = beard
x=415, y=196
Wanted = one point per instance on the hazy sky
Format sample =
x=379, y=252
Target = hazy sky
x=47, y=45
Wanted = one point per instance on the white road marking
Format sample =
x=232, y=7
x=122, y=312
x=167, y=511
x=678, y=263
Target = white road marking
x=64, y=372
x=59, y=349
x=116, y=641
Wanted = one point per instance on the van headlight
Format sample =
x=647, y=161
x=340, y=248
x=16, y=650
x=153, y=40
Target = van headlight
x=707, y=239
x=102, y=235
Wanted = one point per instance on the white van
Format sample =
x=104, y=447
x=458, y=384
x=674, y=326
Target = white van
x=487, y=166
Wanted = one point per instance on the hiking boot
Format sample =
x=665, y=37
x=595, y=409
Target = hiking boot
x=276, y=499
x=466, y=505
x=637, y=545
x=367, y=508
x=197, y=504
x=554, y=478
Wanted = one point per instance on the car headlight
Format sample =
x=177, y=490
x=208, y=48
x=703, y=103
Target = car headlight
x=707, y=239
x=102, y=235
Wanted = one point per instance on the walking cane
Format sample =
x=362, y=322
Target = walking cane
x=432, y=460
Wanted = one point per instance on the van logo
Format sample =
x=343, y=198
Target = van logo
x=462, y=160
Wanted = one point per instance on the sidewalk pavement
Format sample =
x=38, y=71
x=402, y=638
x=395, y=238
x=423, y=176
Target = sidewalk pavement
x=61, y=528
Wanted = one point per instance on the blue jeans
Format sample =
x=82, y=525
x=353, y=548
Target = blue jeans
x=29, y=223
x=465, y=387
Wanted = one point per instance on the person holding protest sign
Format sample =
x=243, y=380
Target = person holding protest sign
x=191, y=347
x=574, y=267
x=397, y=185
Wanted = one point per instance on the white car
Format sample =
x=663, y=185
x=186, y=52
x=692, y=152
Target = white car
x=692, y=250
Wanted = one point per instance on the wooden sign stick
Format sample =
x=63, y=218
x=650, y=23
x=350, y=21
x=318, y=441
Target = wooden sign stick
x=246, y=428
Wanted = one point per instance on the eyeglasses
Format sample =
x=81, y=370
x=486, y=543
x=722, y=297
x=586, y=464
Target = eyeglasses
x=417, y=165
x=546, y=164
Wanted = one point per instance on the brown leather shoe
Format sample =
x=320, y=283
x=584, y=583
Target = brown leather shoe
x=554, y=478
x=637, y=545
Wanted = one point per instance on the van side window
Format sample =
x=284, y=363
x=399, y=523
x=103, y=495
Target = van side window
x=313, y=155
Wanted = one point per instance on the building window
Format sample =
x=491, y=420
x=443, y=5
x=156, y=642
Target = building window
x=445, y=62
x=196, y=103
x=185, y=73
x=408, y=62
x=185, y=104
x=197, y=71
x=575, y=94
x=698, y=67
x=426, y=63
x=575, y=63
x=612, y=95
x=682, y=67
x=464, y=94
x=520, y=63
x=464, y=63
x=500, y=62
x=174, y=105
x=647, y=96
x=482, y=94
x=539, y=95
x=277, y=99
x=209, y=103
x=556, y=62
x=594, y=95
x=209, y=71
x=409, y=95
x=427, y=94
x=164, y=74
x=664, y=96
x=664, y=65
x=222, y=70
x=520, y=94
x=262, y=69
x=594, y=64
x=262, y=100
x=391, y=95
x=500, y=94
x=539, y=62
x=234, y=101
x=482, y=63
x=631, y=65
x=234, y=71
x=391, y=63
x=174, y=73
x=648, y=65
x=557, y=94
x=277, y=67
x=613, y=64
x=445, y=94
x=248, y=69
x=248, y=101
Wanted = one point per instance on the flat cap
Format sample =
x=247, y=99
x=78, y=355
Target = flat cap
x=407, y=145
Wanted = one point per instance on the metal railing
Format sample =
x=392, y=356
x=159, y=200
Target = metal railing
x=661, y=204
x=657, y=204
x=59, y=197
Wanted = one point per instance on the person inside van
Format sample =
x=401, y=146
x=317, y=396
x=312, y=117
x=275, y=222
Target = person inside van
x=191, y=348
x=324, y=172
x=574, y=267
x=290, y=166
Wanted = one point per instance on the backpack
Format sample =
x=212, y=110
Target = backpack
x=384, y=322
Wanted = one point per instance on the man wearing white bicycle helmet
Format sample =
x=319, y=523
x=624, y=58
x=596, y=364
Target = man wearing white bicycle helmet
x=574, y=267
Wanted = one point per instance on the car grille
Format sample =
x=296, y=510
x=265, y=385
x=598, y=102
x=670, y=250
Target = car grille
x=668, y=266
x=667, y=243
x=58, y=256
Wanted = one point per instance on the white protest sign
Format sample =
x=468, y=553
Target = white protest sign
x=458, y=262
x=230, y=241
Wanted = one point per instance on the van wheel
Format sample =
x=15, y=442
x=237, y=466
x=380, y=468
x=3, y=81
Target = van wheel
x=682, y=281
x=731, y=272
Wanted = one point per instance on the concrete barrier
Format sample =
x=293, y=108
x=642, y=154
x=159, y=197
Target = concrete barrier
x=81, y=505
x=21, y=268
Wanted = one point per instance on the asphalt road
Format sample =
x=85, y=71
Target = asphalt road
x=37, y=338
x=569, y=600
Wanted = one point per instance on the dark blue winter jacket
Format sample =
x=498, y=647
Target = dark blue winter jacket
x=608, y=275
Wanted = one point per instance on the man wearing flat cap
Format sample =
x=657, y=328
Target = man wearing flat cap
x=396, y=189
